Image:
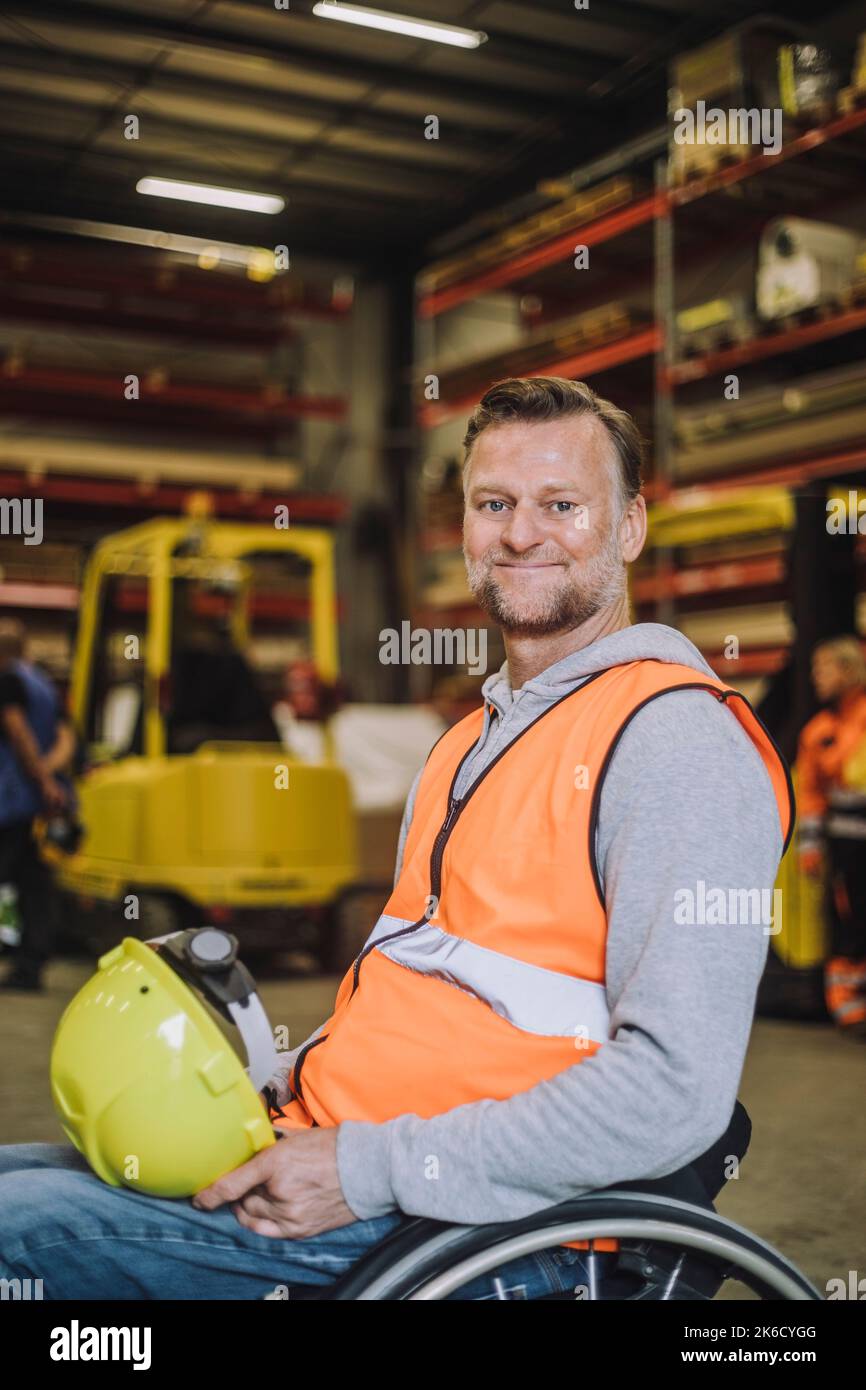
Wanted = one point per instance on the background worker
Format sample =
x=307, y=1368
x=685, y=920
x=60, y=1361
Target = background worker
x=215, y=692
x=36, y=745
x=831, y=763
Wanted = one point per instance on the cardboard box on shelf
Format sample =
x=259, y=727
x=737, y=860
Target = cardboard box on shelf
x=736, y=73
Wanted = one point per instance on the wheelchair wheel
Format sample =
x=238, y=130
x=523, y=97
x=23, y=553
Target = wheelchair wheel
x=668, y=1250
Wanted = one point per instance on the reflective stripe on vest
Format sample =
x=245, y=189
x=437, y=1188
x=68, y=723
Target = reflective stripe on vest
x=526, y=996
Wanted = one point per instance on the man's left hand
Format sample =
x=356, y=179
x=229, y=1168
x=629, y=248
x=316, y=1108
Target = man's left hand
x=289, y=1190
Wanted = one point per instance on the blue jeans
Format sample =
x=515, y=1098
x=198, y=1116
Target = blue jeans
x=85, y=1240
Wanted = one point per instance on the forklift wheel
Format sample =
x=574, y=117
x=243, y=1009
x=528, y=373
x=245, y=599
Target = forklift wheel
x=96, y=926
x=158, y=915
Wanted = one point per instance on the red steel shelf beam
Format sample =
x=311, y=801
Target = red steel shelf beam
x=129, y=277
x=67, y=597
x=642, y=344
x=63, y=597
x=760, y=662
x=539, y=257
x=695, y=369
x=263, y=607
x=305, y=507
x=721, y=577
x=793, y=473
x=219, y=399
x=212, y=332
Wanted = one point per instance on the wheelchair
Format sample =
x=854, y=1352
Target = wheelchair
x=672, y=1245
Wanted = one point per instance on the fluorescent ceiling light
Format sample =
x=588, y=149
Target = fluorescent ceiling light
x=204, y=193
x=400, y=24
x=226, y=251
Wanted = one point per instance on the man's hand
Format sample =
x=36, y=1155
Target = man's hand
x=52, y=793
x=290, y=1190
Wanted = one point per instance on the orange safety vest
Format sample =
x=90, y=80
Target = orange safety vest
x=827, y=742
x=486, y=972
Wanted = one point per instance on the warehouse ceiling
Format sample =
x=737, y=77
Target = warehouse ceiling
x=240, y=93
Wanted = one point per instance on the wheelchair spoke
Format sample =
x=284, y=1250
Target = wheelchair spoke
x=592, y=1272
x=675, y=1274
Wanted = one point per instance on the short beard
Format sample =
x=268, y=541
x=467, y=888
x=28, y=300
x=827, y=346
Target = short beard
x=599, y=583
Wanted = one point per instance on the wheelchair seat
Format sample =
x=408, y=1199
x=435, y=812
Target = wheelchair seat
x=672, y=1243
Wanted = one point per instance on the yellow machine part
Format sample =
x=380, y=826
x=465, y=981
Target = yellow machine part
x=233, y=824
x=699, y=515
x=802, y=942
x=229, y=824
x=854, y=771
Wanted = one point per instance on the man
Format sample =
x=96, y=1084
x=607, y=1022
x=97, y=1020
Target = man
x=533, y=1016
x=831, y=762
x=215, y=693
x=35, y=745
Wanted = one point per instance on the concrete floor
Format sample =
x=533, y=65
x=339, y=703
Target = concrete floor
x=802, y=1185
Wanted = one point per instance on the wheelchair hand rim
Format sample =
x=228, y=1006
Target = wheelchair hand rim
x=782, y=1284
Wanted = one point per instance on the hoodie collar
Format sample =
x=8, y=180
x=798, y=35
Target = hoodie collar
x=640, y=641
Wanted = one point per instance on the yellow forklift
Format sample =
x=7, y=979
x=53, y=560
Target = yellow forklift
x=193, y=809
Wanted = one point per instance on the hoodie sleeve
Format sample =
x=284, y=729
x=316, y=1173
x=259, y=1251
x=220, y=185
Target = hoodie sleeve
x=405, y=823
x=686, y=799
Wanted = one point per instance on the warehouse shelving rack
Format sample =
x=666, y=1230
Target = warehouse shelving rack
x=95, y=476
x=657, y=593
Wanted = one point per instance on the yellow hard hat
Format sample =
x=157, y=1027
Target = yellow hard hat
x=146, y=1085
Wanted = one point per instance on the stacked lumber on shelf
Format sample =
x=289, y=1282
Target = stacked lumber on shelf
x=572, y=211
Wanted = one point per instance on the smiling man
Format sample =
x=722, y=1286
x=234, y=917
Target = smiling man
x=528, y=1020
x=546, y=543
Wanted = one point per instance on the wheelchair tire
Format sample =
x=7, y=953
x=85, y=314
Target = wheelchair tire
x=431, y=1262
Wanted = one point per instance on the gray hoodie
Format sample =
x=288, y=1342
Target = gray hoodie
x=687, y=800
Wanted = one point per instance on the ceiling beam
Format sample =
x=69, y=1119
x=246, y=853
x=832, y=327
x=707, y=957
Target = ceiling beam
x=225, y=95
x=176, y=33
x=173, y=154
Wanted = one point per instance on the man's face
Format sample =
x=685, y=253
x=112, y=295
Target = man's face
x=540, y=531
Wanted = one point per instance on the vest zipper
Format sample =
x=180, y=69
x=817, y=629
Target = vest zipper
x=296, y=1070
x=455, y=806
